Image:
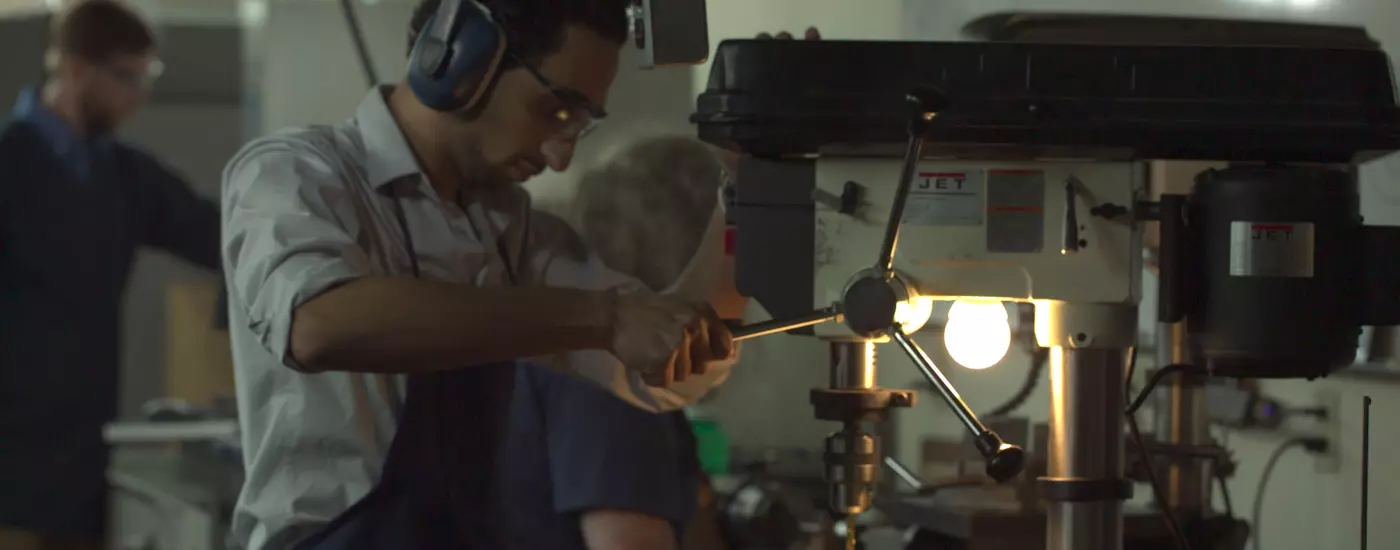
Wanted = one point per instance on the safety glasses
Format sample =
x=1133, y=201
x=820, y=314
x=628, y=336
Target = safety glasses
x=137, y=79
x=576, y=115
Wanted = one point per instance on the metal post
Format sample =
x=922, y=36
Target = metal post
x=852, y=365
x=1085, y=483
x=1182, y=419
x=1086, y=443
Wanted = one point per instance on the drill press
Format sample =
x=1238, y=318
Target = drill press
x=1019, y=172
x=878, y=304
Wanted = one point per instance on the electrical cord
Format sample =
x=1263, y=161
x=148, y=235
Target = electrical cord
x=1313, y=444
x=1157, y=493
x=1153, y=380
x=1225, y=493
x=357, y=36
x=1039, y=358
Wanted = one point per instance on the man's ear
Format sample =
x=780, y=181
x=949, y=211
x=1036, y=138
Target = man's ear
x=53, y=61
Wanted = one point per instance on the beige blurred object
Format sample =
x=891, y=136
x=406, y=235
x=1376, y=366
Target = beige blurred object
x=14, y=539
x=198, y=356
x=1379, y=347
x=940, y=458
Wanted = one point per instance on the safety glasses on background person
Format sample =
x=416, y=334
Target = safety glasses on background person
x=143, y=79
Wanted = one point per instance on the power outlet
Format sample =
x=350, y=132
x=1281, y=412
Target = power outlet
x=1330, y=462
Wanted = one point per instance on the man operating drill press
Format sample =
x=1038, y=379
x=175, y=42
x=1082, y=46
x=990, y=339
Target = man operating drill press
x=386, y=273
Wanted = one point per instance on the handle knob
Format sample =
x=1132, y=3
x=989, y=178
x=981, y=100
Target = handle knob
x=1004, y=460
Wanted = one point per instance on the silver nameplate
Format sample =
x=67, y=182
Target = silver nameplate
x=1271, y=249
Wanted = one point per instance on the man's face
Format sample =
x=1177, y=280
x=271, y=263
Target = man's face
x=113, y=89
x=537, y=113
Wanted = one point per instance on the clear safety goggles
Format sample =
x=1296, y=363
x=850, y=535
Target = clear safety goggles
x=139, y=79
x=577, y=116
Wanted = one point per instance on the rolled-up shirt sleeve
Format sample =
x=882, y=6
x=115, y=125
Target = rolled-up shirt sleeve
x=288, y=236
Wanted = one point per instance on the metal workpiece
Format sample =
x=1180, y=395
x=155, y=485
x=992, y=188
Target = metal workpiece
x=1182, y=419
x=1085, y=481
x=904, y=474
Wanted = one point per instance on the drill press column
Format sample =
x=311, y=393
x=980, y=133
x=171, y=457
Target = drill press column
x=1085, y=486
x=1182, y=419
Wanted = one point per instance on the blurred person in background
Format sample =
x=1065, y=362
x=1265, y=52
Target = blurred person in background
x=587, y=471
x=75, y=203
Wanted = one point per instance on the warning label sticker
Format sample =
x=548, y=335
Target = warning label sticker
x=947, y=198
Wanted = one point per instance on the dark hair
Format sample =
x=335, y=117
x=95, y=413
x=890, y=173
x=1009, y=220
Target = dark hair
x=95, y=30
x=535, y=28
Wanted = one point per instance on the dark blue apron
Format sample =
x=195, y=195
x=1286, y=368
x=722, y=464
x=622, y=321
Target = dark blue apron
x=438, y=488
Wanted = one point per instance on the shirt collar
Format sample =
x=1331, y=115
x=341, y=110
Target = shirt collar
x=387, y=154
x=30, y=108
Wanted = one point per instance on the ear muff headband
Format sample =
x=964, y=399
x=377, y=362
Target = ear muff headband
x=456, y=56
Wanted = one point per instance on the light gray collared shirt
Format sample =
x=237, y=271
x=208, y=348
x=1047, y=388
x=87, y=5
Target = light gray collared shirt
x=311, y=208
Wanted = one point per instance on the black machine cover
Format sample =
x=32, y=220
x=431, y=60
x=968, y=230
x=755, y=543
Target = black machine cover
x=777, y=98
x=1272, y=109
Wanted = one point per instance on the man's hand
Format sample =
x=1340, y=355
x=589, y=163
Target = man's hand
x=666, y=339
x=811, y=34
x=625, y=530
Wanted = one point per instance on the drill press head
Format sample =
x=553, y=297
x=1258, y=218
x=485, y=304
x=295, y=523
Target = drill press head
x=1032, y=187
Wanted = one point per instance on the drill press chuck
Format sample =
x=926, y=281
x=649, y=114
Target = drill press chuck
x=852, y=460
x=851, y=456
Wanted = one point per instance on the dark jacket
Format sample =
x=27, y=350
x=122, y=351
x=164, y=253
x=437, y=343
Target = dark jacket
x=69, y=230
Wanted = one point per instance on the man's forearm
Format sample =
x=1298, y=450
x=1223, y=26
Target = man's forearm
x=399, y=325
x=623, y=530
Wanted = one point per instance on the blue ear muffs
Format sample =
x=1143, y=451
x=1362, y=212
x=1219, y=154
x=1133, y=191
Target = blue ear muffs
x=457, y=55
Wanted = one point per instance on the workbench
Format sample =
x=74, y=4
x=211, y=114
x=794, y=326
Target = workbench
x=165, y=498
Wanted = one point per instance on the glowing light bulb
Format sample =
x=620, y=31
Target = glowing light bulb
x=913, y=314
x=978, y=333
